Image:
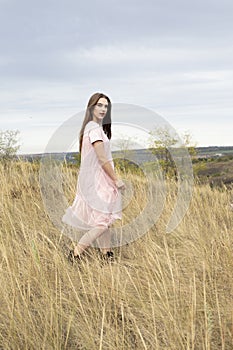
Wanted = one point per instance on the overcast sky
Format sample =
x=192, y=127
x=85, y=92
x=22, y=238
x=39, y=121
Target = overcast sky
x=172, y=57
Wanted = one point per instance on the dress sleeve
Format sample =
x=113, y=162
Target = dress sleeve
x=95, y=135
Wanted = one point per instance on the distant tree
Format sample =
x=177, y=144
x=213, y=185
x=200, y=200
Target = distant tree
x=198, y=164
x=8, y=144
x=161, y=140
x=124, y=145
x=188, y=142
x=124, y=153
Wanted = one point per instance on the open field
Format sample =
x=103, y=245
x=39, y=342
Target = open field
x=216, y=172
x=164, y=291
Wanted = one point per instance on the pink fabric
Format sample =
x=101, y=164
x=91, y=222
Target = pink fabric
x=97, y=201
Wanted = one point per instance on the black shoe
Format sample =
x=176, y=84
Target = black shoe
x=109, y=256
x=72, y=258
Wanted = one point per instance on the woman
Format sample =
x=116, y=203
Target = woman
x=98, y=199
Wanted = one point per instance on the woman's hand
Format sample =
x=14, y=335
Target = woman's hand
x=119, y=184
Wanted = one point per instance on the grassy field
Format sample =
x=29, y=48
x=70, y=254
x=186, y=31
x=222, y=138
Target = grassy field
x=164, y=291
x=216, y=171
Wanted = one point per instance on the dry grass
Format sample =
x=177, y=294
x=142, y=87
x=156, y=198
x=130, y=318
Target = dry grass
x=164, y=291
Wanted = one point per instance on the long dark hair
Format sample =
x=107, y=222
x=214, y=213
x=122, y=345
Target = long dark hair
x=89, y=116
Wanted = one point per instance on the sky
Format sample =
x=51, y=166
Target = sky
x=170, y=57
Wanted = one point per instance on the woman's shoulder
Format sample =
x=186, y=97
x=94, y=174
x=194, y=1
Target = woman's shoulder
x=91, y=125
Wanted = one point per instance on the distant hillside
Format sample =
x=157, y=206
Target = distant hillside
x=138, y=155
x=215, y=150
x=215, y=172
x=212, y=164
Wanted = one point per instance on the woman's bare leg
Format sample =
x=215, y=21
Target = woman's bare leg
x=88, y=238
x=104, y=241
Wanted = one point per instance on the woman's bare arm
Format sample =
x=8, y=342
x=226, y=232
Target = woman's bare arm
x=105, y=163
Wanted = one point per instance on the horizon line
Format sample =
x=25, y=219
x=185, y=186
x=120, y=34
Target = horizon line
x=133, y=149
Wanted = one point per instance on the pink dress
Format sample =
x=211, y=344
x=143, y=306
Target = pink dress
x=97, y=200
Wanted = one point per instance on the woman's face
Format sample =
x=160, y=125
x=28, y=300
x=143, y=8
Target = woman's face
x=100, y=110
